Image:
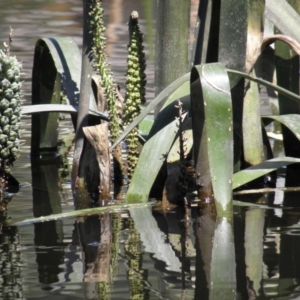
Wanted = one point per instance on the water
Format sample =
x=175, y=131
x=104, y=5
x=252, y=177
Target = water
x=145, y=256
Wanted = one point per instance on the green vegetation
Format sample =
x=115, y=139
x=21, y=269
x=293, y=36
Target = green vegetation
x=10, y=102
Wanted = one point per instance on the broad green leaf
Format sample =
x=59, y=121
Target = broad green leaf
x=252, y=131
x=284, y=17
x=174, y=152
x=161, y=97
x=146, y=125
x=287, y=72
x=66, y=57
x=268, y=84
x=247, y=175
x=60, y=80
x=213, y=132
x=292, y=122
x=152, y=157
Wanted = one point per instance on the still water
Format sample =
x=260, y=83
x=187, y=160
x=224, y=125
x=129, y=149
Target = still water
x=138, y=255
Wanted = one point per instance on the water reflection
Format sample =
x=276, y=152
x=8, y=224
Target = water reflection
x=11, y=264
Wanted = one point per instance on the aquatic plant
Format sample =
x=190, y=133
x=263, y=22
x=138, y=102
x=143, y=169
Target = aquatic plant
x=182, y=185
x=10, y=101
x=135, y=88
x=110, y=89
x=221, y=144
x=214, y=102
x=102, y=67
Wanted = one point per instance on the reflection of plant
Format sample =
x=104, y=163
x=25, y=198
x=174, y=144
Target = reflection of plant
x=104, y=287
x=10, y=95
x=10, y=261
x=135, y=272
x=116, y=220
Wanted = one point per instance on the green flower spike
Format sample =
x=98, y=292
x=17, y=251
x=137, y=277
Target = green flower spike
x=135, y=87
x=10, y=102
x=102, y=67
x=110, y=90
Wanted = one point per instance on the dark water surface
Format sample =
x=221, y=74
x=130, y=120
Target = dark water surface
x=143, y=256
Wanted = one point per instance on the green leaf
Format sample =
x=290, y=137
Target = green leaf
x=80, y=212
x=292, y=122
x=265, y=83
x=152, y=157
x=245, y=176
x=252, y=131
x=161, y=97
x=66, y=57
x=174, y=155
x=63, y=108
x=146, y=125
x=284, y=17
x=211, y=110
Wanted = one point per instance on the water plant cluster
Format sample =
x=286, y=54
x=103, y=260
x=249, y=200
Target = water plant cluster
x=220, y=144
x=210, y=120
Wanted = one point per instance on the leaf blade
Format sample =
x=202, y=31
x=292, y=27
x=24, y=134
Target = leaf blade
x=247, y=175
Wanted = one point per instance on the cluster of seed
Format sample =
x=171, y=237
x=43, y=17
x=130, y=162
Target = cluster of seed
x=135, y=87
x=136, y=65
x=10, y=111
x=102, y=67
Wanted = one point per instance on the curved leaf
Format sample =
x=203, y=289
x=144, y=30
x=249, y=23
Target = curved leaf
x=242, y=177
x=151, y=159
x=284, y=38
x=162, y=95
x=211, y=110
x=284, y=17
x=63, y=60
x=268, y=84
x=292, y=122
